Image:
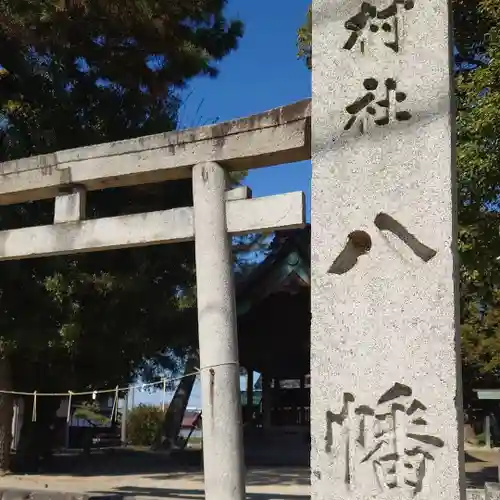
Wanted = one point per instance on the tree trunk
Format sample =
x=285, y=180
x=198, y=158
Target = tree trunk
x=6, y=414
x=37, y=438
x=177, y=407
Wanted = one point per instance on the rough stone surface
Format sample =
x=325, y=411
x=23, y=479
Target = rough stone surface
x=276, y=136
x=223, y=458
x=492, y=491
x=384, y=313
x=267, y=214
x=475, y=494
x=70, y=207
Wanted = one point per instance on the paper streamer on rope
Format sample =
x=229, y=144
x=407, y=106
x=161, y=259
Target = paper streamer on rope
x=68, y=416
x=33, y=414
x=114, y=411
x=163, y=395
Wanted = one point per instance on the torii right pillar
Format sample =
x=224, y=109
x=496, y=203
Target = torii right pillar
x=385, y=359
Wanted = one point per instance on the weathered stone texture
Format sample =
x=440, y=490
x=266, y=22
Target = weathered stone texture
x=475, y=494
x=492, y=491
x=384, y=311
x=276, y=136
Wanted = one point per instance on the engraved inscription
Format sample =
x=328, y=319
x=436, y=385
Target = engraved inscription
x=381, y=111
x=385, y=222
x=392, y=439
x=369, y=19
x=358, y=243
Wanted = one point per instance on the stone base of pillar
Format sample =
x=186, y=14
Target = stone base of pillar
x=491, y=492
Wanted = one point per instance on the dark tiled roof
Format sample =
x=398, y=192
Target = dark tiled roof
x=287, y=267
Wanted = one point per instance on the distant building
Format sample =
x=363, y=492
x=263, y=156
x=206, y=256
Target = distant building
x=191, y=423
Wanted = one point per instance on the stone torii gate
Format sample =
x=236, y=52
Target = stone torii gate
x=206, y=154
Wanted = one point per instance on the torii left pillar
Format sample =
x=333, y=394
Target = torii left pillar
x=223, y=459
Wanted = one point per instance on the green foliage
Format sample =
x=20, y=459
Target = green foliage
x=304, y=40
x=478, y=155
x=144, y=424
x=472, y=22
x=92, y=413
x=248, y=251
x=80, y=72
x=83, y=72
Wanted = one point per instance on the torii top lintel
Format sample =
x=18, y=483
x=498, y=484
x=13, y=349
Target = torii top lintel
x=280, y=135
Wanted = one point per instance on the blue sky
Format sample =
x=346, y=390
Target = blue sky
x=263, y=73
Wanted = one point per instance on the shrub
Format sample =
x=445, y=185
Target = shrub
x=143, y=424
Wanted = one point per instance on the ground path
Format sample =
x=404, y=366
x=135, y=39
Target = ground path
x=262, y=484
x=143, y=476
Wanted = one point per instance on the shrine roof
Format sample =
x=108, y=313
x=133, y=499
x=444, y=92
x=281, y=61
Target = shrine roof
x=273, y=305
x=286, y=268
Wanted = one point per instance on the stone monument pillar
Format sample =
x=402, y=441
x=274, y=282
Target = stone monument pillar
x=385, y=358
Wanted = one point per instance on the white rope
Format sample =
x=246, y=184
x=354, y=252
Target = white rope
x=114, y=411
x=116, y=390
